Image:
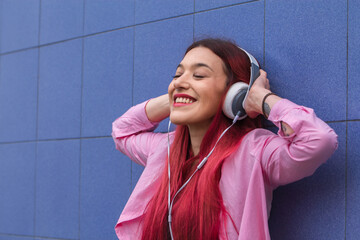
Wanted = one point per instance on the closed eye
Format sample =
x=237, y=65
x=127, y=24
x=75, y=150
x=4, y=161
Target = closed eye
x=199, y=76
x=177, y=76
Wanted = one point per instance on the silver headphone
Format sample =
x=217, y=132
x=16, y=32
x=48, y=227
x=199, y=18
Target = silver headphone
x=235, y=97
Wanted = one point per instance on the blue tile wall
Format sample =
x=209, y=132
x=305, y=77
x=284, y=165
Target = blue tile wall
x=247, y=34
x=18, y=96
x=354, y=60
x=353, y=179
x=60, y=90
x=57, y=189
x=153, y=70
x=201, y=5
x=19, y=24
x=106, y=15
x=17, y=174
x=151, y=10
x=108, y=71
x=68, y=69
x=61, y=20
x=313, y=208
x=105, y=188
x=305, y=53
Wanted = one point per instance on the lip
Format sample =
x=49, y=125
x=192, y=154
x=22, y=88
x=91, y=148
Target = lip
x=182, y=95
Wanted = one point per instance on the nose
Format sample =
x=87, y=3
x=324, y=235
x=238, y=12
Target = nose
x=181, y=82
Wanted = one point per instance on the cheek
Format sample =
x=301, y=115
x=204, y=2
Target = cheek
x=216, y=96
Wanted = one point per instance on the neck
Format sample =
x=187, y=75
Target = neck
x=197, y=133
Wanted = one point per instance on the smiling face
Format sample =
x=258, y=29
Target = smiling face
x=197, y=88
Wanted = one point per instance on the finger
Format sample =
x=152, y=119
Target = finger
x=263, y=73
x=267, y=85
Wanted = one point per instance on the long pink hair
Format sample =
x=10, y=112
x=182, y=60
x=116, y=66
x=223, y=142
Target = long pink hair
x=198, y=209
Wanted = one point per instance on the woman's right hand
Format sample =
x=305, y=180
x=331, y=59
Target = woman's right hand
x=253, y=102
x=157, y=109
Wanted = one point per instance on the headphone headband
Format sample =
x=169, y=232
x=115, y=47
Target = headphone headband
x=254, y=72
x=251, y=57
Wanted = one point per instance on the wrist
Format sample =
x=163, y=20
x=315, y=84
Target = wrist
x=259, y=97
x=268, y=103
x=265, y=105
x=157, y=109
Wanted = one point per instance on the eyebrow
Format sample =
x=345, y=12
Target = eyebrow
x=197, y=65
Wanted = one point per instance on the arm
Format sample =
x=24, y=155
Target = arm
x=288, y=158
x=157, y=109
x=303, y=142
x=132, y=131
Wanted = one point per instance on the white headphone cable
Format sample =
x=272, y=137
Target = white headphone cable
x=200, y=165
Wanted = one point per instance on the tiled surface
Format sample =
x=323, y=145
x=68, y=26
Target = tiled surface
x=106, y=15
x=247, y=34
x=353, y=179
x=61, y=20
x=151, y=10
x=313, y=208
x=60, y=90
x=354, y=60
x=153, y=70
x=105, y=188
x=82, y=184
x=17, y=174
x=19, y=21
x=18, y=96
x=57, y=189
x=201, y=5
x=305, y=53
x=107, y=89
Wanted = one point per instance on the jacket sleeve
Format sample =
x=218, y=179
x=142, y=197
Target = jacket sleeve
x=289, y=158
x=133, y=136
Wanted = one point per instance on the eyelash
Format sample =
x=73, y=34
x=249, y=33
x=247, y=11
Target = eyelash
x=195, y=76
x=198, y=76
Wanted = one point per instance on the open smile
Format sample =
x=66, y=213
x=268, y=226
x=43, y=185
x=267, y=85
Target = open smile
x=183, y=99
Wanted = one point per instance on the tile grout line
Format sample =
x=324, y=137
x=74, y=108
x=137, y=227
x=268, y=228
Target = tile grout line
x=55, y=139
x=133, y=88
x=193, y=32
x=81, y=118
x=32, y=237
x=37, y=119
x=347, y=113
x=264, y=33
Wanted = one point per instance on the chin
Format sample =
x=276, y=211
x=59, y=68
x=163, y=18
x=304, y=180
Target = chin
x=178, y=120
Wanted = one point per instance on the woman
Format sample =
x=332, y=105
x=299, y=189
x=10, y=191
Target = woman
x=230, y=196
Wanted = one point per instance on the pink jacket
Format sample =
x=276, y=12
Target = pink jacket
x=263, y=161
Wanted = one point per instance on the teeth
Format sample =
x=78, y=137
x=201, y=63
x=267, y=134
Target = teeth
x=183, y=100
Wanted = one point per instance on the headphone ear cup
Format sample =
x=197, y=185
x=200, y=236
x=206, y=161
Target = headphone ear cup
x=233, y=102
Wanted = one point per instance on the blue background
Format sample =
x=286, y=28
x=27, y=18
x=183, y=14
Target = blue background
x=68, y=69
